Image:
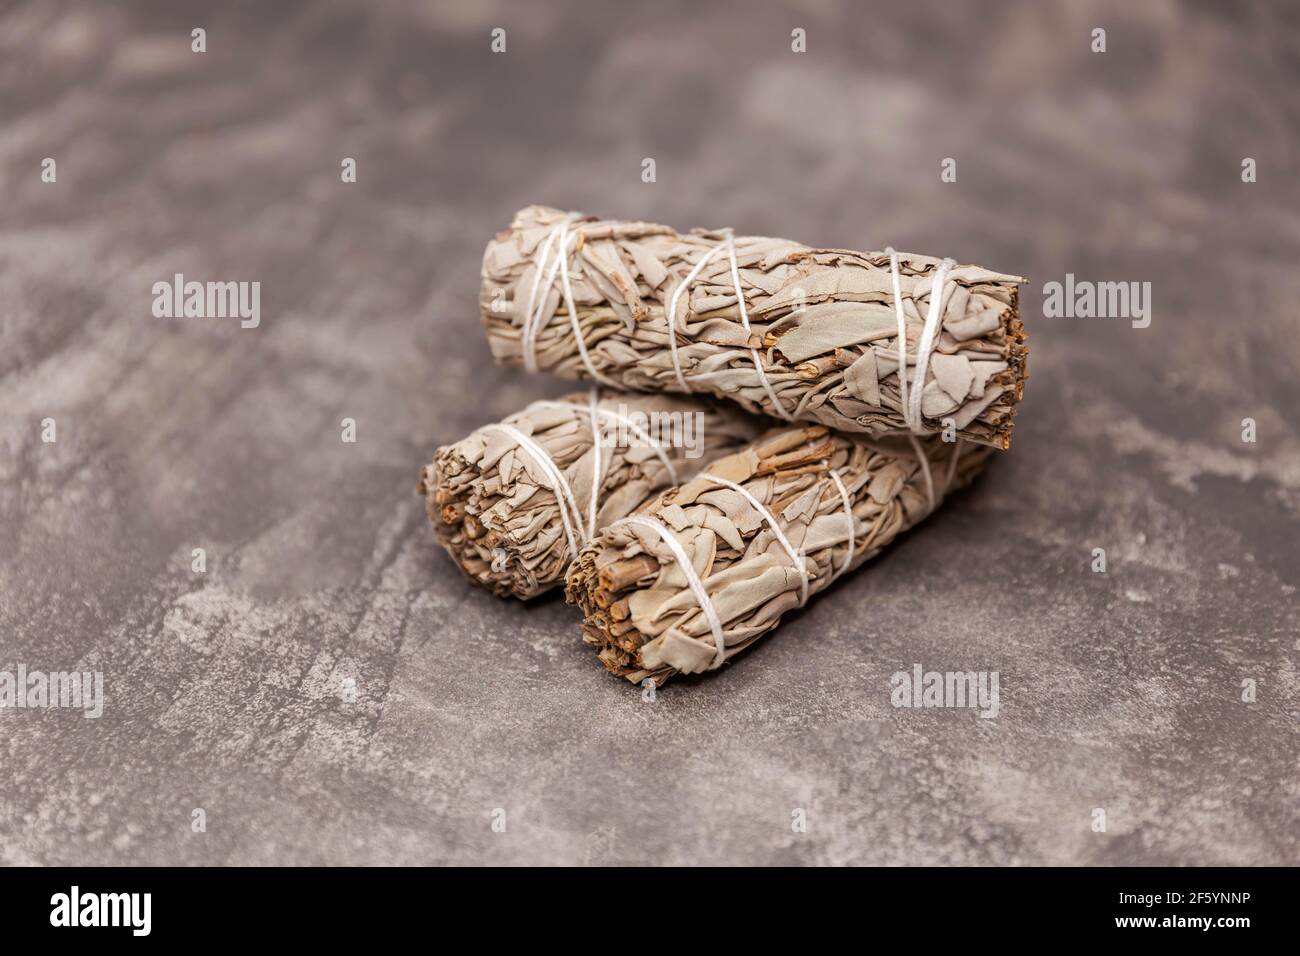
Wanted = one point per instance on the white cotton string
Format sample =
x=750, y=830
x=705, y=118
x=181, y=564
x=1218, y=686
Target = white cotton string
x=539, y=266
x=573, y=310
x=744, y=321
x=925, y=347
x=902, y=333
x=593, y=411
x=848, y=511
x=631, y=426
x=692, y=579
x=925, y=468
x=533, y=312
x=534, y=317
x=911, y=403
x=595, y=462
x=795, y=556
x=684, y=287
x=559, y=484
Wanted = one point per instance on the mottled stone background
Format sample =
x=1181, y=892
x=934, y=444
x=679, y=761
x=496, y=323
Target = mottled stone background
x=1120, y=691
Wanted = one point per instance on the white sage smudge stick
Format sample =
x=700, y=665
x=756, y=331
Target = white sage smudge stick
x=708, y=567
x=513, y=502
x=813, y=336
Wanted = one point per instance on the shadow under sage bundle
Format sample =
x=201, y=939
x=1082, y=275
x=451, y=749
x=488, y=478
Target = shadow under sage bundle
x=863, y=342
x=513, y=502
x=710, y=566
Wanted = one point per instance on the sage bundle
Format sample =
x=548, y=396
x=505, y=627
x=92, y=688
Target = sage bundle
x=869, y=342
x=710, y=566
x=514, y=501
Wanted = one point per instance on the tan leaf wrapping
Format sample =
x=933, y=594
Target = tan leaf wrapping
x=814, y=315
x=496, y=511
x=638, y=609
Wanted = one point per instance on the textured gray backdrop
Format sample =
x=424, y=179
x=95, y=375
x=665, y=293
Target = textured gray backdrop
x=1120, y=691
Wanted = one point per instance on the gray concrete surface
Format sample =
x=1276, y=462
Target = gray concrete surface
x=224, y=690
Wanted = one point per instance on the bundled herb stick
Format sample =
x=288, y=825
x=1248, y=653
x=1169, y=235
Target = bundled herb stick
x=710, y=566
x=514, y=501
x=863, y=342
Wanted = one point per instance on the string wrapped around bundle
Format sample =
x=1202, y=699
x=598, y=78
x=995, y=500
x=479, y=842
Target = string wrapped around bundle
x=868, y=342
x=514, y=501
x=710, y=566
